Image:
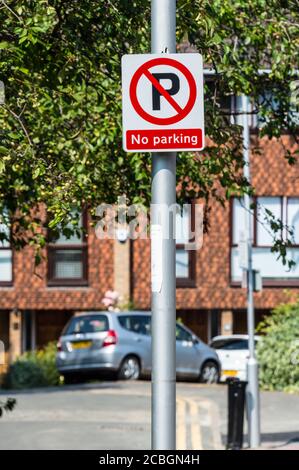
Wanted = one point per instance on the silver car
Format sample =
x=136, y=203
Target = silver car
x=120, y=342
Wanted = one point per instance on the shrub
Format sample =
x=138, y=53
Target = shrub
x=46, y=359
x=278, y=352
x=24, y=373
x=34, y=369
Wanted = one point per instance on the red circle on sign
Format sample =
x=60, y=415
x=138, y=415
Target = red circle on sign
x=144, y=69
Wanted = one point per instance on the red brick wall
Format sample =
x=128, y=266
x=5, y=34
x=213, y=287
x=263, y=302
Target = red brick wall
x=30, y=290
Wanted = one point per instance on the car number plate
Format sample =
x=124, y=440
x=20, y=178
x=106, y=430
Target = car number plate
x=230, y=373
x=81, y=344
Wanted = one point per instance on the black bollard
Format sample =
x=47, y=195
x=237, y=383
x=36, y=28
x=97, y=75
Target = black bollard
x=236, y=405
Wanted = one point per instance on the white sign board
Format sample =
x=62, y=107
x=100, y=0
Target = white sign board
x=162, y=102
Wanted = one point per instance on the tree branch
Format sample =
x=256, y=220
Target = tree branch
x=18, y=118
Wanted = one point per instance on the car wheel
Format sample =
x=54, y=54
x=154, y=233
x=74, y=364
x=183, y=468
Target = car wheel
x=209, y=373
x=130, y=369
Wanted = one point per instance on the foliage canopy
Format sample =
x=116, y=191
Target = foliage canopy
x=60, y=124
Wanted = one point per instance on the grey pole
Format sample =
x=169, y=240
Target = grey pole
x=252, y=393
x=163, y=299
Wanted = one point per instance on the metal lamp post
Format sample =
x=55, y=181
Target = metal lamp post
x=252, y=393
x=163, y=40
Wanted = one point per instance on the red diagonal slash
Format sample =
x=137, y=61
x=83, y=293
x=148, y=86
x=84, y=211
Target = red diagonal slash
x=162, y=91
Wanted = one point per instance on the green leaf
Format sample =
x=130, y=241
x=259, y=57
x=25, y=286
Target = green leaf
x=24, y=70
x=4, y=45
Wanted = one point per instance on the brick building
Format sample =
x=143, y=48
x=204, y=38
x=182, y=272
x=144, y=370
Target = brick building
x=212, y=300
x=36, y=303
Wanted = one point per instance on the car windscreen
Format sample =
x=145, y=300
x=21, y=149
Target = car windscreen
x=140, y=324
x=230, y=344
x=87, y=324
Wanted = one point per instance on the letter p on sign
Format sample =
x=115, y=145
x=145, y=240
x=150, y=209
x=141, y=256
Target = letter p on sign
x=162, y=97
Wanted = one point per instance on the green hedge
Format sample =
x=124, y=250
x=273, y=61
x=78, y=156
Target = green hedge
x=278, y=351
x=34, y=369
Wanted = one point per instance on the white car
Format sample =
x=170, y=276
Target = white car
x=233, y=353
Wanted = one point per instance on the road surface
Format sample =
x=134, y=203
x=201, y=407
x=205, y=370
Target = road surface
x=116, y=415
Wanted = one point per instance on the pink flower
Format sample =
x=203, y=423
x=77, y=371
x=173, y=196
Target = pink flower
x=111, y=298
x=107, y=302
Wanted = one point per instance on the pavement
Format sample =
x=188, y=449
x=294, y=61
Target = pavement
x=116, y=415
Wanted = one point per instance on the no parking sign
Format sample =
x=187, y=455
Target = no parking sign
x=162, y=102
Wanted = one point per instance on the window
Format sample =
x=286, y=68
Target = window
x=140, y=324
x=185, y=259
x=238, y=229
x=273, y=272
x=292, y=218
x=87, y=324
x=269, y=102
x=264, y=232
x=267, y=105
x=6, y=255
x=224, y=104
x=230, y=344
x=182, y=334
x=67, y=257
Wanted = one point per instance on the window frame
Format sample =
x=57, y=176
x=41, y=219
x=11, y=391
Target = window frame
x=52, y=281
x=190, y=280
x=294, y=245
x=267, y=282
x=10, y=248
